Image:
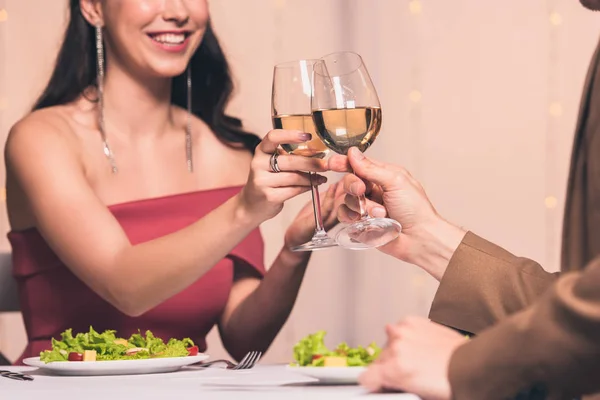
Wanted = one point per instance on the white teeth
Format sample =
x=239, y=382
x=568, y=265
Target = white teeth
x=169, y=38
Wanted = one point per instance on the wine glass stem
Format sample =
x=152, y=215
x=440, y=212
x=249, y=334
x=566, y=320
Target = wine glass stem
x=362, y=202
x=316, y=205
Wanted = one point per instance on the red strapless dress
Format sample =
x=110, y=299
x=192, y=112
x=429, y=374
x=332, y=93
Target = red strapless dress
x=53, y=299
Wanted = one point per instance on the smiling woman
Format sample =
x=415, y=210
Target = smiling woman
x=76, y=69
x=137, y=235
x=128, y=26
x=171, y=41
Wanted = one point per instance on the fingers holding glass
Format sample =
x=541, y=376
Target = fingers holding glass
x=275, y=178
x=291, y=163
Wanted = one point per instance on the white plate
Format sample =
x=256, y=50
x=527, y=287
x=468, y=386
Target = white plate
x=331, y=375
x=118, y=367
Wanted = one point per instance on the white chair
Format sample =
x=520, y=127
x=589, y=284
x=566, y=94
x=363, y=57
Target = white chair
x=9, y=300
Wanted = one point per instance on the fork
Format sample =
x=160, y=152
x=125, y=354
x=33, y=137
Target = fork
x=15, y=375
x=249, y=361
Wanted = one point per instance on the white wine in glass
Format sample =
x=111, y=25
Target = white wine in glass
x=341, y=129
x=314, y=148
x=347, y=113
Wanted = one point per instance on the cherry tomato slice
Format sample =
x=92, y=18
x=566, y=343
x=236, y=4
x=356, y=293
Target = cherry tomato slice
x=193, y=351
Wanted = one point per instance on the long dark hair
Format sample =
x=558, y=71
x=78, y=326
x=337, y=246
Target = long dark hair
x=75, y=71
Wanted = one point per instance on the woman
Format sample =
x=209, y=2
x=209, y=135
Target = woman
x=127, y=212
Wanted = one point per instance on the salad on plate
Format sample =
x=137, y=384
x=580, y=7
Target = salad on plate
x=107, y=346
x=312, y=352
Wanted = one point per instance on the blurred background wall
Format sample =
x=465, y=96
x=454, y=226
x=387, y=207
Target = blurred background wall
x=479, y=101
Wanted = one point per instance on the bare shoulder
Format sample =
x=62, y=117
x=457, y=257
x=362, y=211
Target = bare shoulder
x=232, y=162
x=240, y=157
x=40, y=134
x=41, y=140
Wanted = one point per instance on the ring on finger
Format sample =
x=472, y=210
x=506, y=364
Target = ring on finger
x=273, y=162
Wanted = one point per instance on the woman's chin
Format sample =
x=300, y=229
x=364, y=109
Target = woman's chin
x=168, y=71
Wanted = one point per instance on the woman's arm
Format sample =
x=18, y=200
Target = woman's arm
x=256, y=309
x=480, y=282
x=43, y=159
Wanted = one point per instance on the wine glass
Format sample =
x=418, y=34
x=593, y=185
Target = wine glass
x=291, y=109
x=347, y=113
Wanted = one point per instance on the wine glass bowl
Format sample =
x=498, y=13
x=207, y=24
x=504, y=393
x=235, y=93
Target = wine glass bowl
x=341, y=129
x=347, y=113
x=291, y=110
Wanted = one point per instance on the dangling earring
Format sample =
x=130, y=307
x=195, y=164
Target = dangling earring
x=188, y=129
x=100, y=84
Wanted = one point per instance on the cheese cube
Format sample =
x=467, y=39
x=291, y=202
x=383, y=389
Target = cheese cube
x=89, y=355
x=335, y=362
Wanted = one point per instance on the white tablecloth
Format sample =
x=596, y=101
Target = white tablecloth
x=259, y=383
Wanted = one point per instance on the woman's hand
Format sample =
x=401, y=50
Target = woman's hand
x=266, y=190
x=303, y=227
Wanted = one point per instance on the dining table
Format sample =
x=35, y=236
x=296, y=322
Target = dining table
x=263, y=382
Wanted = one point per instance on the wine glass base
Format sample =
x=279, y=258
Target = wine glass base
x=317, y=243
x=368, y=233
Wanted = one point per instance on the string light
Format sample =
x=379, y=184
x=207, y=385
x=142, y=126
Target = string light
x=3, y=15
x=551, y=202
x=418, y=280
x=555, y=18
x=415, y=96
x=555, y=111
x=415, y=7
x=278, y=5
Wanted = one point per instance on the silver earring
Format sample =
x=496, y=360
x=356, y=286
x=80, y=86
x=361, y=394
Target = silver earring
x=100, y=83
x=188, y=130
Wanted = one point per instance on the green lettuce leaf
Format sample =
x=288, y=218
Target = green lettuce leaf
x=110, y=347
x=310, y=346
x=313, y=345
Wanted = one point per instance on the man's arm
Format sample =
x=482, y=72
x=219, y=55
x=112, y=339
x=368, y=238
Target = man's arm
x=554, y=344
x=480, y=282
x=484, y=283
